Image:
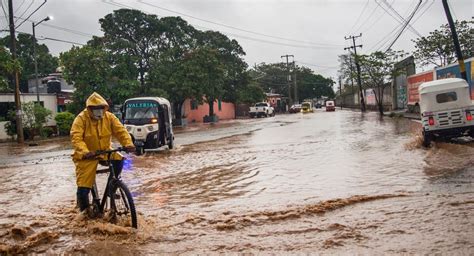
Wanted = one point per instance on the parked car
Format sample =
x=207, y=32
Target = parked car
x=446, y=109
x=295, y=108
x=318, y=105
x=330, y=106
x=261, y=109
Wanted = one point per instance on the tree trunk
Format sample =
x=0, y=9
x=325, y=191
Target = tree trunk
x=178, y=108
x=142, y=75
x=211, y=106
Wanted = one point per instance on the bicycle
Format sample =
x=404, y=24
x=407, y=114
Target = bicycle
x=117, y=200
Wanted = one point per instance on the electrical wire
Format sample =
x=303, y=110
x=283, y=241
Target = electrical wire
x=406, y=24
x=24, y=12
x=51, y=38
x=232, y=27
x=401, y=18
x=368, y=18
x=360, y=15
x=31, y=14
x=385, y=39
x=426, y=9
x=4, y=12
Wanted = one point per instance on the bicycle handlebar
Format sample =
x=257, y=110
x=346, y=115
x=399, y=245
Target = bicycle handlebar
x=102, y=152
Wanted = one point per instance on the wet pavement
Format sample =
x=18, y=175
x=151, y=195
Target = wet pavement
x=340, y=182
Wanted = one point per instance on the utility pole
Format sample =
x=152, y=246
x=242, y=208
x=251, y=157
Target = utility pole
x=359, y=82
x=454, y=34
x=33, y=25
x=290, y=102
x=352, y=78
x=294, y=82
x=340, y=91
x=18, y=112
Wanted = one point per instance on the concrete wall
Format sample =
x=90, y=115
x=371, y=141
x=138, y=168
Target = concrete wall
x=196, y=115
x=49, y=100
x=3, y=132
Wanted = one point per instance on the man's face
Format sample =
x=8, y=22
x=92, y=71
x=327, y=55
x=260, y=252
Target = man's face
x=97, y=112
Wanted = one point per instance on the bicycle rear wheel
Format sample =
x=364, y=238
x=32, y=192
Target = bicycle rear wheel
x=122, y=206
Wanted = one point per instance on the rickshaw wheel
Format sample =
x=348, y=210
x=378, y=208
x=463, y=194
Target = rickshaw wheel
x=171, y=142
x=139, y=151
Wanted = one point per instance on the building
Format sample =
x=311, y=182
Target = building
x=54, y=83
x=7, y=103
x=195, y=112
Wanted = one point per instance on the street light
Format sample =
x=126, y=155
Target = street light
x=34, y=55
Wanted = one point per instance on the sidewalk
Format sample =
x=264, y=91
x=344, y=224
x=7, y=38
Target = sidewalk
x=402, y=112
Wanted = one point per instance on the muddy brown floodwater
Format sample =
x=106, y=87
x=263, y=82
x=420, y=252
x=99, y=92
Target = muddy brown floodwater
x=325, y=183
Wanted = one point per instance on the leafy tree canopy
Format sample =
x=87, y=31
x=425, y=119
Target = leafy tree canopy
x=24, y=48
x=438, y=48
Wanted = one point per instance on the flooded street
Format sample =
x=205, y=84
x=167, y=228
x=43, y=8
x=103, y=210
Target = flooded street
x=341, y=182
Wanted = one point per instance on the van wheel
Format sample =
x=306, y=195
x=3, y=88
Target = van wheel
x=139, y=151
x=171, y=142
x=427, y=138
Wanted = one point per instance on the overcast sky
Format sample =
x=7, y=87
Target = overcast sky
x=311, y=30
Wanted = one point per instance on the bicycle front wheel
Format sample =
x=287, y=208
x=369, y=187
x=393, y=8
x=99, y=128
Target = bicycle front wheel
x=122, y=207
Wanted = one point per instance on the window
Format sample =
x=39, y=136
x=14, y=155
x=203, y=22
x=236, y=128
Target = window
x=194, y=104
x=219, y=105
x=446, y=97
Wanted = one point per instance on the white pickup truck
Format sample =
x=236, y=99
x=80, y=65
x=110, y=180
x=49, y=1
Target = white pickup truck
x=446, y=109
x=261, y=109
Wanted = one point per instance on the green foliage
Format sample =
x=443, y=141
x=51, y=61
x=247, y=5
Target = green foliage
x=377, y=70
x=46, y=132
x=7, y=67
x=250, y=94
x=438, y=48
x=64, y=122
x=273, y=77
x=47, y=63
x=34, y=117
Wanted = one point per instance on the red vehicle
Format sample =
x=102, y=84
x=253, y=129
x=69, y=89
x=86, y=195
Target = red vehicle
x=330, y=106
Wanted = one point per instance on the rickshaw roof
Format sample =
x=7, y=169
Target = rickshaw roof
x=442, y=85
x=160, y=100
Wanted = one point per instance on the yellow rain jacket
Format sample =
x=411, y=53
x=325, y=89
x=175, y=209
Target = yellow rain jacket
x=90, y=135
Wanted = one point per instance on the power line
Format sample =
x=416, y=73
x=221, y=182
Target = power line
x=73, y=31
x=31, y=14
x=27, y=8
x=360, y=15
x=231, y=27
x=401, y=18
x=385, y=39
x=426, y=9
x=368, y=18
x=406, y=24
x=318, y=66
x=51, y=38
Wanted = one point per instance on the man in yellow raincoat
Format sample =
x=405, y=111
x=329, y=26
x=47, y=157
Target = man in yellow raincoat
x=92, y=130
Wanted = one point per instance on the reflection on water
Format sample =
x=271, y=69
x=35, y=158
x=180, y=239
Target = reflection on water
x=339, y=182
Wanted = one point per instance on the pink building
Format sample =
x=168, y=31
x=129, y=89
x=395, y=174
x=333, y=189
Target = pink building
x=195, y=112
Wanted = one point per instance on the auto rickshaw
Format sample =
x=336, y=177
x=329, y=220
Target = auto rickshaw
x=307, y=107
x=148, y=120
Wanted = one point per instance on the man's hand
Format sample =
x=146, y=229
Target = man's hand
x=130, y=149
x=89, y=155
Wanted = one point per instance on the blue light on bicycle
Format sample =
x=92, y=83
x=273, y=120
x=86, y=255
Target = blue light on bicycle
x=127, y=164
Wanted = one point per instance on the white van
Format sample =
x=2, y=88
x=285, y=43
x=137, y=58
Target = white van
x=446, y=109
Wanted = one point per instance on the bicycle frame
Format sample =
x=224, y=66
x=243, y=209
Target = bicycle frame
x=110, y=181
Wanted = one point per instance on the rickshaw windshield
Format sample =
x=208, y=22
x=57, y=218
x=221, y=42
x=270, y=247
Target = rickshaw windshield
x=141, y=110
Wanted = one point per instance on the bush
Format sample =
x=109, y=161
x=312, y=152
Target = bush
x=33, y=119
x=46, y=132
x=64, y=122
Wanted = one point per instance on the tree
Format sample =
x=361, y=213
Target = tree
x=377, y=70
x=251, y=93
x=7, y=67
x=166, y=77
x=438, y=48
x=133, y=35
x=88, y=69
x=24, y=47
x=230, y=55
x=33, y=119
